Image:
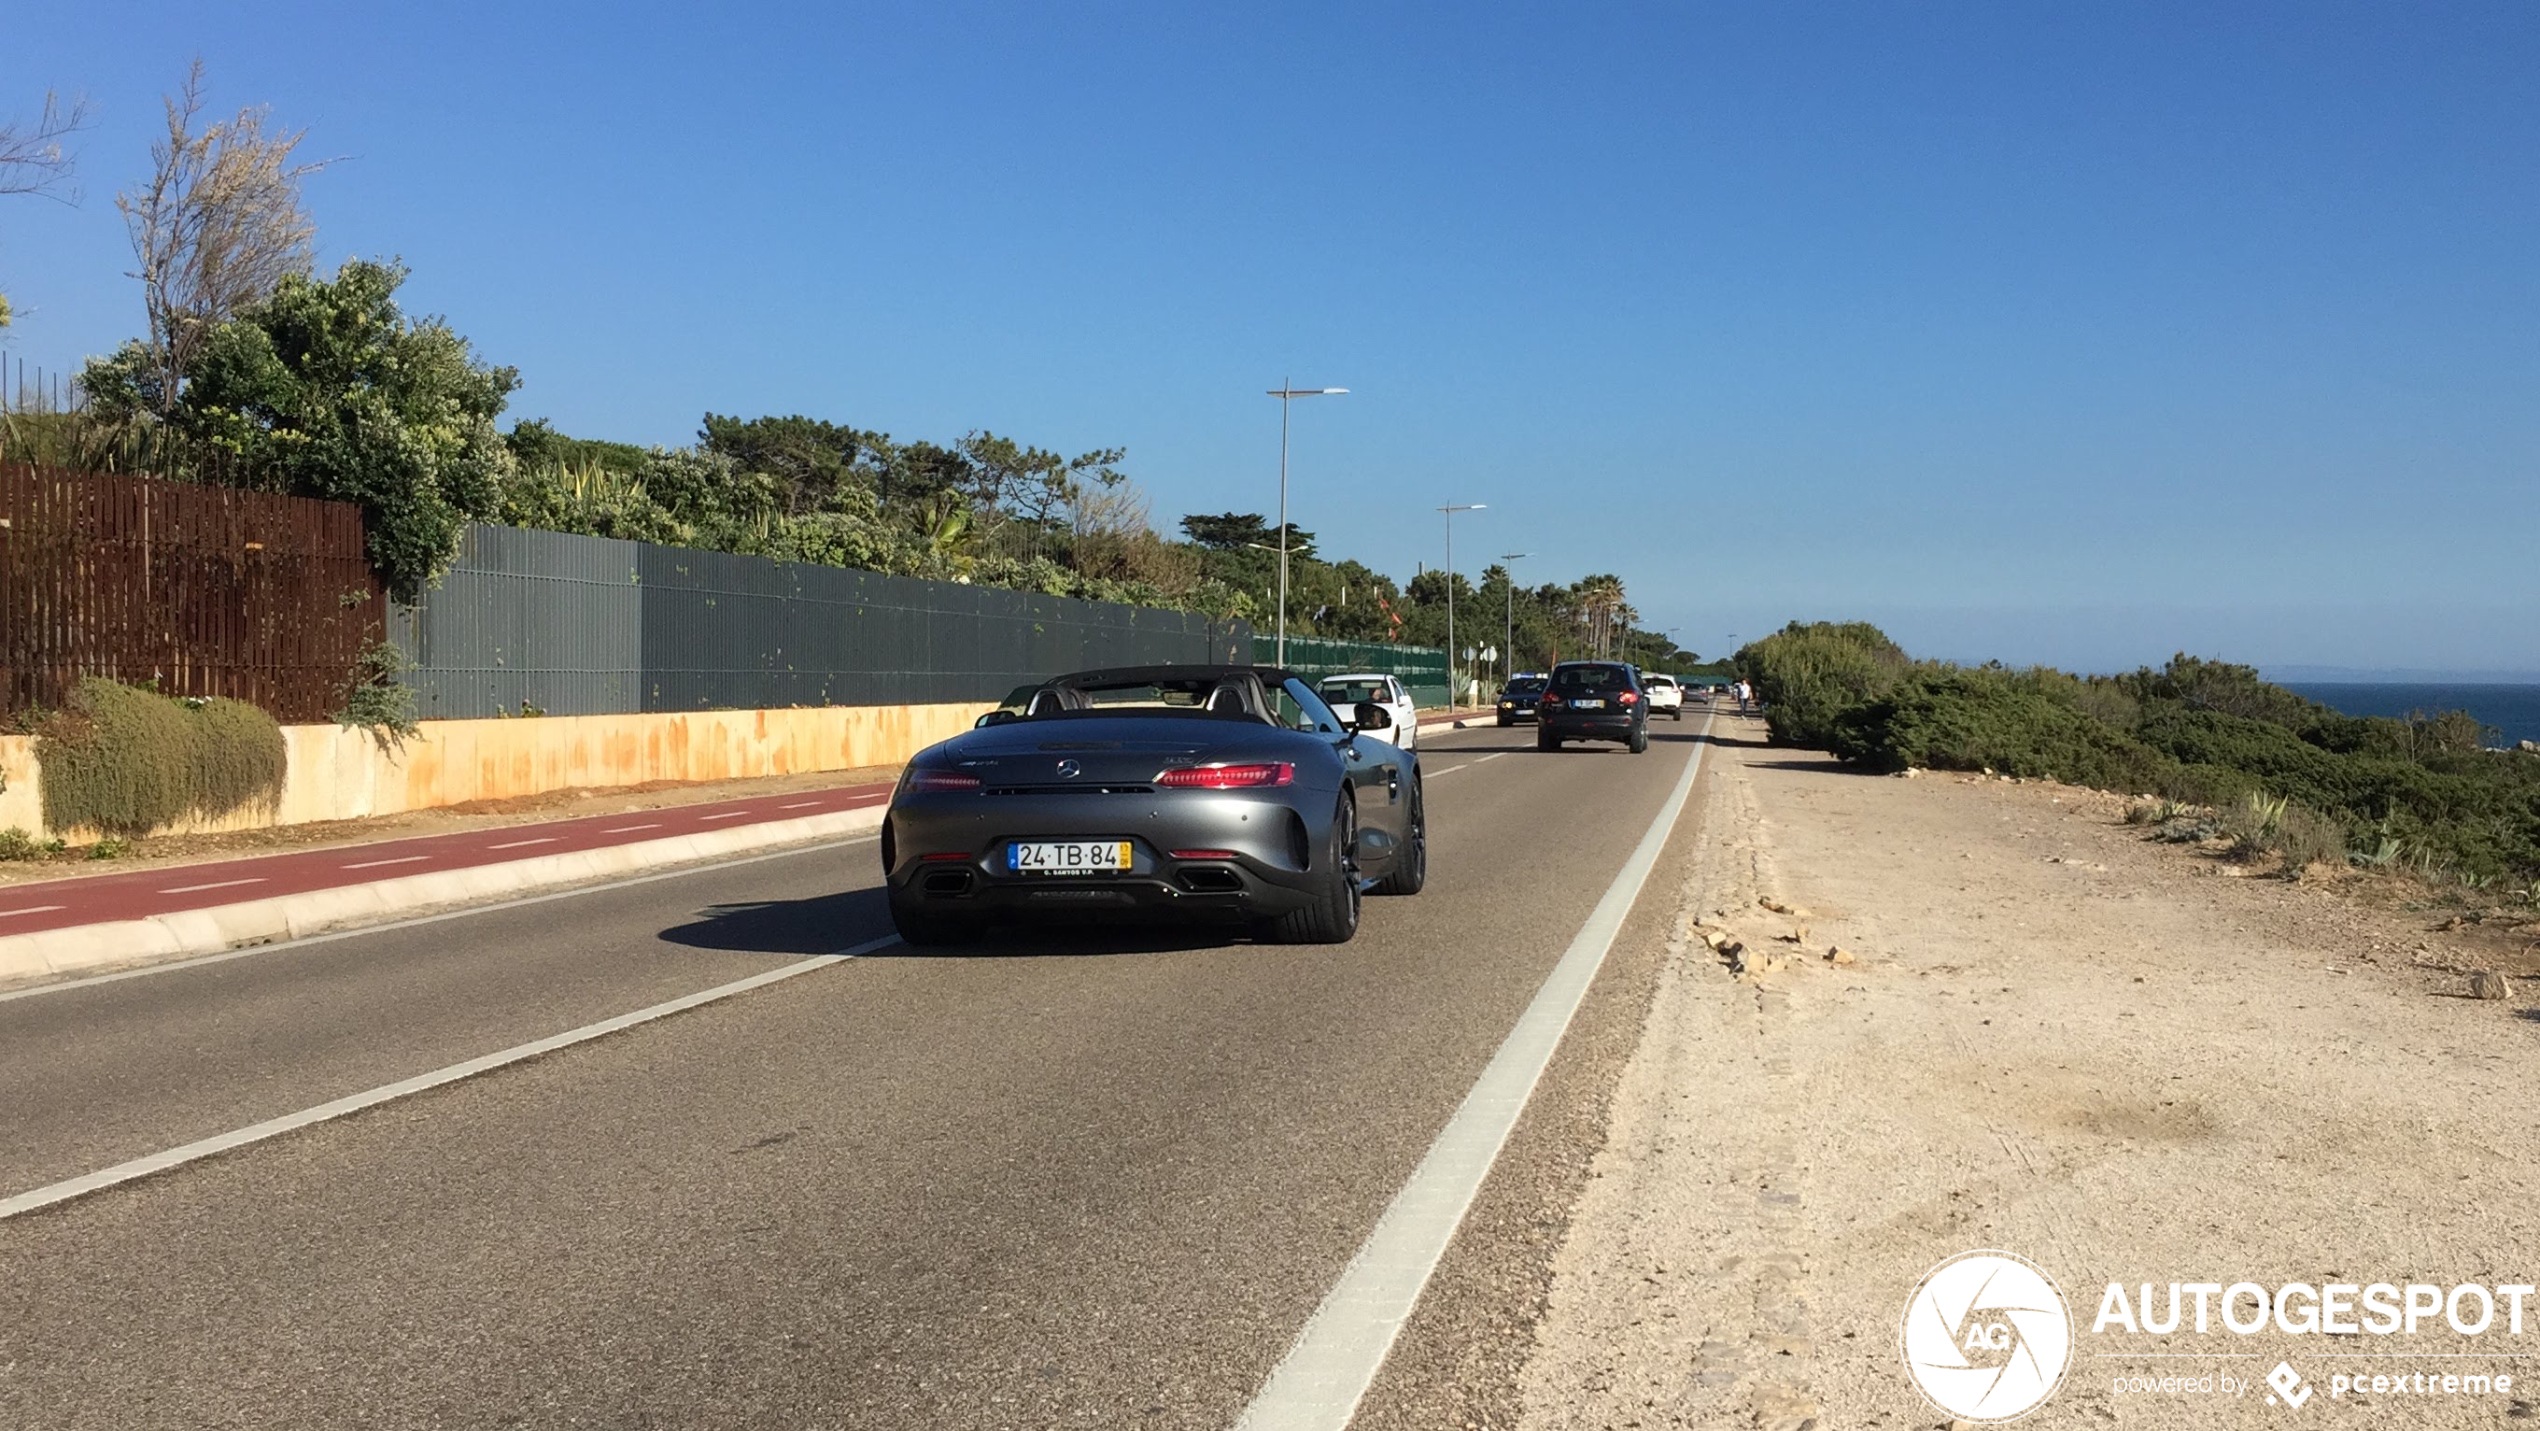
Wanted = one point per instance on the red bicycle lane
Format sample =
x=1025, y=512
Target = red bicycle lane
x=139, y=894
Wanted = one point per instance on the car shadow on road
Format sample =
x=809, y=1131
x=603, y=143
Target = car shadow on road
x=1063, y=941
x=827, y=923
x=821, y=924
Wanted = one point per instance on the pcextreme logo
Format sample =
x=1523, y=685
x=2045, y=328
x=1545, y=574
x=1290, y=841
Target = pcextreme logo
x=1987, y=1337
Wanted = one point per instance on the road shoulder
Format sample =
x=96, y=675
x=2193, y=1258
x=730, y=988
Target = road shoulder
x=2059, y=1039
x=1460, y=1357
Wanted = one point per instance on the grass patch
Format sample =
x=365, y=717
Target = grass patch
x=17, y=845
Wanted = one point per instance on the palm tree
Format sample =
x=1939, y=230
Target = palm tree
x=1606, y=614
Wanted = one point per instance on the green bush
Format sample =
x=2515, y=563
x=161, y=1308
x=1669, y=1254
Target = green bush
x=1810, y=674
x=377, y=701
x=240, y=758
x=1948, y=718
x=124, y=761
x=2202, y=732
x=2202, y=685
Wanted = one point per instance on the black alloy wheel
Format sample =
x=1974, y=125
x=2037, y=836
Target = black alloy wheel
x=1333, y=917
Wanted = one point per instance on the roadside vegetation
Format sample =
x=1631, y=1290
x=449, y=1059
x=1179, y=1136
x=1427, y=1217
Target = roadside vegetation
x=125, y=760
x=2233, y=756
x=253, y=370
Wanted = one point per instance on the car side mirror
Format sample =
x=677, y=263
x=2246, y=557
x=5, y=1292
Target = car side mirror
x=1371, y=716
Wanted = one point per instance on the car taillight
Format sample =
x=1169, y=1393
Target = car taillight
x=1228, y=777
x=1628, y=697
x=923, y=781
x=1550, y=699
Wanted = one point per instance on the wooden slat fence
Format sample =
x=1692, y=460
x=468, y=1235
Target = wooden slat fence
x=209, y=591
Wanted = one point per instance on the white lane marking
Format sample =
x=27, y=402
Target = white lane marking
x=726, y=815
x=799, y=805
x=520, y=844
x=216, y=884
x=1467, y=765
x=30, y=909
x=374, y=864
x=172, y=966
x=1317, y=1385
x=143, y=1167
x=631, y=829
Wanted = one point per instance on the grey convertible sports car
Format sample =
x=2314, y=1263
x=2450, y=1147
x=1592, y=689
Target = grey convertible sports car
x=1213, y=792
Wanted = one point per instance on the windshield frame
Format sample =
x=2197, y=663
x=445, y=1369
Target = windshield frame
x=1310, y=701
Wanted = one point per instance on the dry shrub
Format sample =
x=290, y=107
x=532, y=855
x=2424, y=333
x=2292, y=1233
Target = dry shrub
x=2262, y=824
x=2306, y=837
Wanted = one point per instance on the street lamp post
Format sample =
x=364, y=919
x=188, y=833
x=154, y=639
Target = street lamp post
x=1287, y=393
x=1511, y=646
x=1450, y=512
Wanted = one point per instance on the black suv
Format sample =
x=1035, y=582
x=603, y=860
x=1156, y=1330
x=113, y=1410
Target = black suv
x=1593, y=700
x=1518, y=699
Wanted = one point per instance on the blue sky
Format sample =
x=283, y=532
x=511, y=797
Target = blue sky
x=2070, y=333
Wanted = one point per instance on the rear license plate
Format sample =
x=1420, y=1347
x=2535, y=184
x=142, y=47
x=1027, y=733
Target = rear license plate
x=1066, y=856
x=1596, y=705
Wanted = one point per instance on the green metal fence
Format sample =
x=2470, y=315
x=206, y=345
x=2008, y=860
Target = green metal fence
x=1422, y=668
x=578, y=625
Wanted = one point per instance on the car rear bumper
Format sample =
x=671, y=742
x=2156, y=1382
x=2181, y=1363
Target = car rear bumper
x=1581, y=725
x=1257, y=865
x=1229, y=891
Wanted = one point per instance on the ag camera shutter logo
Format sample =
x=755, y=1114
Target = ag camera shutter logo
x=1987, y=1337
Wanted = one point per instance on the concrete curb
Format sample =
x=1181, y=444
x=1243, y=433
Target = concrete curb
x=90, y=948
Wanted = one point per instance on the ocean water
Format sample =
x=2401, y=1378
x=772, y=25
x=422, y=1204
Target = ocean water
x=2512, y=710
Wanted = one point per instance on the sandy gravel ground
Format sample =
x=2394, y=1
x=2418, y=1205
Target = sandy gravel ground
x=2104, y=1054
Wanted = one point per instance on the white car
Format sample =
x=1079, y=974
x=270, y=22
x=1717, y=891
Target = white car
x=1343, y=692
x=1664, y=695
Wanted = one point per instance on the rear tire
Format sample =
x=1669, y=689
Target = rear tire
x=1333, y=916
x=922, y=928
x=1639, y=743
x=1411, y=867
x=1546, y=740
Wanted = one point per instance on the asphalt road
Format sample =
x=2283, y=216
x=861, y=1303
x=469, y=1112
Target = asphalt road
x=1068, y=1183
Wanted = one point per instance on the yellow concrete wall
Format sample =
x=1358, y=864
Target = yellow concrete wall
x=338, y=774
x=21, y=799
